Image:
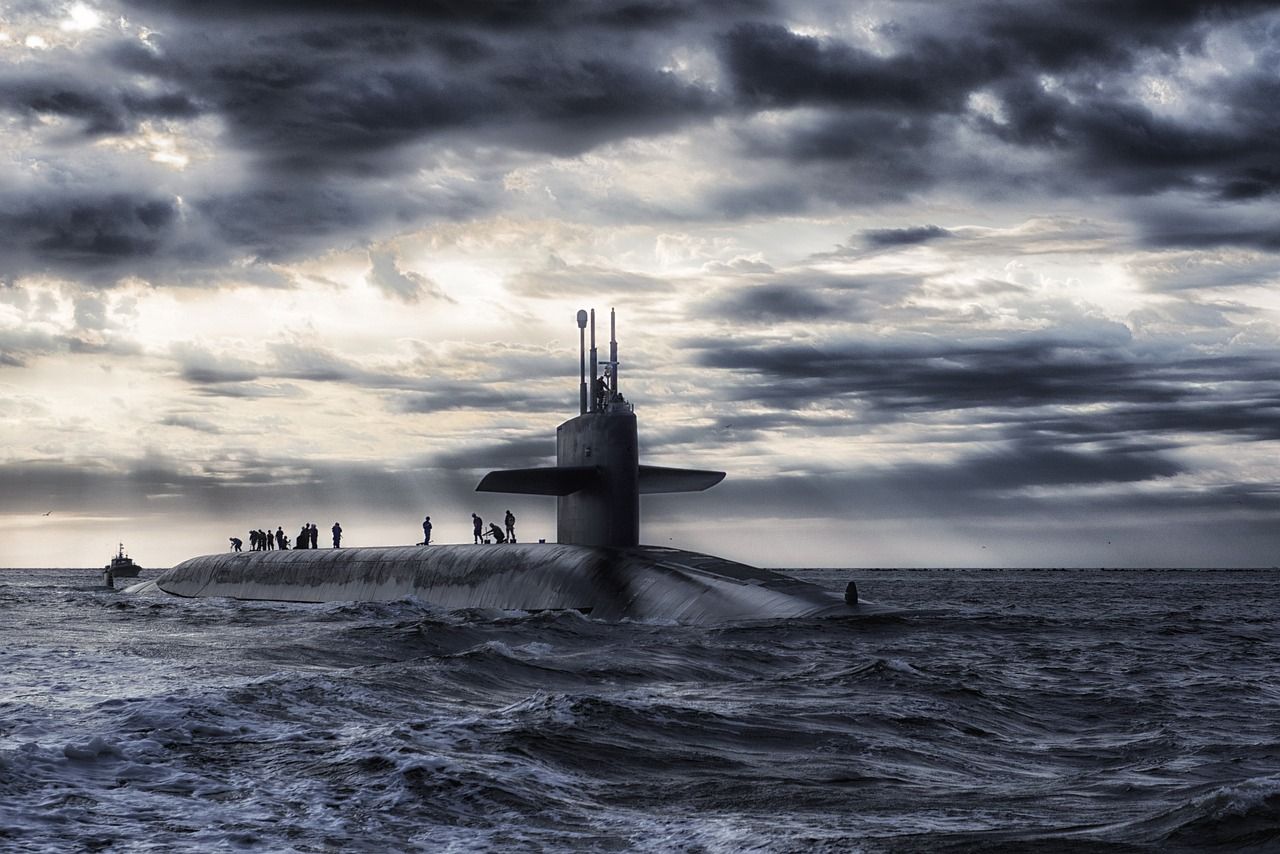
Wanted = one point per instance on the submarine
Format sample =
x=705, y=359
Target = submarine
x=597, y=566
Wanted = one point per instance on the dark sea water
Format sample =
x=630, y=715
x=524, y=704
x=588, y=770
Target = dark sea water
x=1026, y=710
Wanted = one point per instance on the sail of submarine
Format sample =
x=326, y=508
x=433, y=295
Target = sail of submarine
x=597, y=567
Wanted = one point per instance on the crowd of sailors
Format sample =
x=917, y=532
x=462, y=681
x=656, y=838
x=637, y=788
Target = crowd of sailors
x=309, y=535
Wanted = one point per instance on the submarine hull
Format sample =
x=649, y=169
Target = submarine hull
x=639, y=582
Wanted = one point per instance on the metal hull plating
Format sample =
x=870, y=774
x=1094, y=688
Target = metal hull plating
x=640, y=583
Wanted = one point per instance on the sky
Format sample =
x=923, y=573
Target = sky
x=978, y=283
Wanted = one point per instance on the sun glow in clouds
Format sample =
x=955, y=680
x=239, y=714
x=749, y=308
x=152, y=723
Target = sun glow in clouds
x=80, y=18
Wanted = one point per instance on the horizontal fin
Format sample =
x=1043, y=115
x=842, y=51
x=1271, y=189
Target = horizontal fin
x=554, y=480
x=657, y=479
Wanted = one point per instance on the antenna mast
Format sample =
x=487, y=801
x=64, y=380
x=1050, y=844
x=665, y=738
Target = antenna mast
x=594, y=365
x=582, y=362
x=613, y=355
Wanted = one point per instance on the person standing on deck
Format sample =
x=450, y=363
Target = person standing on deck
x=426, y=531
x=477, y=528
x=337, y=535
x=510, y=522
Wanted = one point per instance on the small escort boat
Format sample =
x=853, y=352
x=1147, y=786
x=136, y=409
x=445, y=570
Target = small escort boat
x=122, y=566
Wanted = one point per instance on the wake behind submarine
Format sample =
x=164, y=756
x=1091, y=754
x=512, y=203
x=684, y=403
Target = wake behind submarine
x=597, y=567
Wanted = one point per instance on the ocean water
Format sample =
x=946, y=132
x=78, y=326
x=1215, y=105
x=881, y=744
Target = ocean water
x=1016, y=710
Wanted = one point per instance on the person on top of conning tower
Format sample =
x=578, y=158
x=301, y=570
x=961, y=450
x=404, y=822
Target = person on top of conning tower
x=602, y=394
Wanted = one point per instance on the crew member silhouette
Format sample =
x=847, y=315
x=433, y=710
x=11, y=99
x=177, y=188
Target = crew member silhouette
x=253, y=541
x=236, y=543
x=510, y=522
x=477, y=527
x=337, y=535
x=304, y=537
x=426, y=531
x=315, y=535
x=268, y=541
x=280, y=538
x=496, y=533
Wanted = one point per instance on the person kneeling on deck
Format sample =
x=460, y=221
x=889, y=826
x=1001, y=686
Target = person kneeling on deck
x=496, y=533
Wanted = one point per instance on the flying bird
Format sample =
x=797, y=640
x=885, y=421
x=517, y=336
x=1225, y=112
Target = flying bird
x=46, y=513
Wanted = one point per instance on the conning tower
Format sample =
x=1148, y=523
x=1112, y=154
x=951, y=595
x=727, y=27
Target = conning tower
x=598, y=479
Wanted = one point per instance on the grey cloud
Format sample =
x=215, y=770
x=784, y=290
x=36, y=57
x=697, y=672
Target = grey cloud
x=199, y=366
x=102, y=110
x=1023, y=385
x=932, y=375
x=19, y=345
x=502, y=454
x=502, y=15
x=900, y=111
x=190, y=422
x=1184, y=223
x=91, y=313
x=450, y=395
x=881, y=237
x=339, y=109
x=318, y=95
x=776, y=302
x=386, y=274
x=88, y=231
x=558, y=278
x=810, y=295
x=773, y=66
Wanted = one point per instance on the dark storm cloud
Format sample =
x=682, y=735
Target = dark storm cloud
x=776, y=302
x=90, y=229
x=339, y=108
x=495, y=14
x=1034, y=370
x=1194, y=226
x=100, y=109
x=881, y=237
x=876, y=121
x=810, y=295
x=1257, y=419
x=1016, y=479
x=311, y=93
x=772, y=66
